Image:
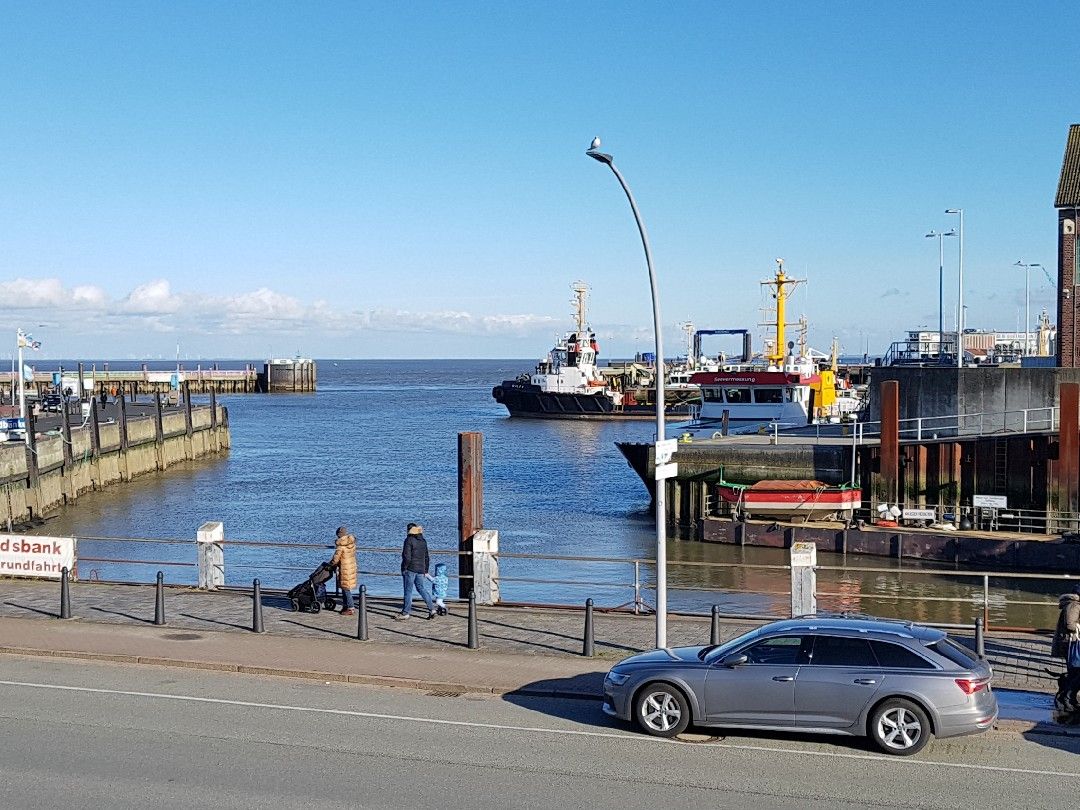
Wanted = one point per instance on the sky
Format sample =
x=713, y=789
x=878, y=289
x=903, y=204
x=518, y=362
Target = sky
x=244, y=180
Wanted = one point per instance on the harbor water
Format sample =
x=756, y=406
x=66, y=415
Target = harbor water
x=376, y=447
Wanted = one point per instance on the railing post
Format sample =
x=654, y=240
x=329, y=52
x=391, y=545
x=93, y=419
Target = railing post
x=159, y=600
x=256, y=608
x=803, y=579
x=587, y=645
x=65, y=595
x=1025, y=412
x=474, y=636
x=361, y=622
x=211, y=555
x=714, y=626
x=986, y=600
x=980, y=641
x=637, y=587
x=918, y=429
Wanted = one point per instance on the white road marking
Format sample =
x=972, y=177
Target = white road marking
x=640, y=738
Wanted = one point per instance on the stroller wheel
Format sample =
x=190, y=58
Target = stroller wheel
x=329, y=604
x=294, y=604
x=315, y=607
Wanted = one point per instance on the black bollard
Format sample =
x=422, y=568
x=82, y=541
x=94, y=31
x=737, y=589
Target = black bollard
x=65, y=595
x=980, y=642
x=361, y=622
x=474, y=637
x=714, y=629
x=159, y=602
x=587, y=646
x=256, y=608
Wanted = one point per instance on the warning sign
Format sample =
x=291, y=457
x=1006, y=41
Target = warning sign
x=36, y=556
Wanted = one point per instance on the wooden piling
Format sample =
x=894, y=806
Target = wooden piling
x=470, y=503
x=890, y=438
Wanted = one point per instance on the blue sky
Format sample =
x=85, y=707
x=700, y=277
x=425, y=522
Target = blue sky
x=409, y=179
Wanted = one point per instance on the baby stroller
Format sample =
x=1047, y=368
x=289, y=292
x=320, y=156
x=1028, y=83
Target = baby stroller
x=310, y=595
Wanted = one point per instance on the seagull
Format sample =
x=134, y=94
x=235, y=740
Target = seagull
x=595, y=143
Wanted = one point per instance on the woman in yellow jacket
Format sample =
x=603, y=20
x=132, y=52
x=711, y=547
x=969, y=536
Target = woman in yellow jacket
x=345, y=561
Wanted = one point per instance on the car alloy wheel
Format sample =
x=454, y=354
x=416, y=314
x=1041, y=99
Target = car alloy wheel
x=662, y=710
x=900, y=727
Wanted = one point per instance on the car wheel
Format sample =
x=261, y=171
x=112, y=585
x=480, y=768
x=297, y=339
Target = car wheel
x=900, y=727
x=662, y=710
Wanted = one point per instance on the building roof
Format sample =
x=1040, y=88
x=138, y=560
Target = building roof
x=1068, y=193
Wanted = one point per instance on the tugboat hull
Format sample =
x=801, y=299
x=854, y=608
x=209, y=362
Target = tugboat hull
x=526, y=400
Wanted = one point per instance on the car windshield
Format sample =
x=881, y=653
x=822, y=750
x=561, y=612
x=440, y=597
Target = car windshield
x=709, y=654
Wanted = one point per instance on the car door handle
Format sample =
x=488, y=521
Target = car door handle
x=866, y=681
x=783, y=678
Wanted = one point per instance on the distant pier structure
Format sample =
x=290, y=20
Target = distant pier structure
x=295, y=375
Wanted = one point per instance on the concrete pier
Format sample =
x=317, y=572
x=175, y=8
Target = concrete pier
x=60, y=466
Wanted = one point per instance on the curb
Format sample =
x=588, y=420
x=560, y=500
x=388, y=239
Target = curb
x=306, y=674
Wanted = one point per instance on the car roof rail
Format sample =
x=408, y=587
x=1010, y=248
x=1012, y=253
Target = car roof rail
x=852, y=614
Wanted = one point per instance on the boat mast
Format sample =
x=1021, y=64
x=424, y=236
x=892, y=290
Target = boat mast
x=581, y=292
x=691, y=360
x=781, y=283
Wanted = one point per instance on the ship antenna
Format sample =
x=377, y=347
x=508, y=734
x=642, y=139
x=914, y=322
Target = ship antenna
x=581, y=293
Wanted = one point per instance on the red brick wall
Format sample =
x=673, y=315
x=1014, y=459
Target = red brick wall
x=1068, y=346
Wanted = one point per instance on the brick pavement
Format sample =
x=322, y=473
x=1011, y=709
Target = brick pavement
x=1020, y=661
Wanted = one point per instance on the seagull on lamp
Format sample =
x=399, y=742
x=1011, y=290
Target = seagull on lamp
x=595, y=143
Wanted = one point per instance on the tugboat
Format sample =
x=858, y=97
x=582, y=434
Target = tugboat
x=567, y=384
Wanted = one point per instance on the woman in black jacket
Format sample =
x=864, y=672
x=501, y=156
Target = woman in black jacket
x=415, y=562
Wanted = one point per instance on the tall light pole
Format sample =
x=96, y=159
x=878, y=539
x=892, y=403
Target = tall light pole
x=941, y=290
x=1027, y=303
x=661, y=512
x=960, y=293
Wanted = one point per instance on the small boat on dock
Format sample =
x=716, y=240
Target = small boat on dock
x=789, y=500
x=568, y=384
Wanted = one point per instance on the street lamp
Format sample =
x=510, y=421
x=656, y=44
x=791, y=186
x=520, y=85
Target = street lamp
x=960, y=293
x=661, y=512
x=941, y=290
x=1027, y=303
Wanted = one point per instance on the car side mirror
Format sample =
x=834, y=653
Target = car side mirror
x=736, y=660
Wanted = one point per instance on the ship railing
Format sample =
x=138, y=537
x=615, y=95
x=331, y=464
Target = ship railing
x=740, y=590
x=982, y=518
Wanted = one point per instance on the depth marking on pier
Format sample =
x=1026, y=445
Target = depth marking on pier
x=640, y=738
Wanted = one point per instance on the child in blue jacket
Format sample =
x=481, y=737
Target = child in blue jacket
x=439, y=583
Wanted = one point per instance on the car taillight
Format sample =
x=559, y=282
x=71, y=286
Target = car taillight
x=969, y=686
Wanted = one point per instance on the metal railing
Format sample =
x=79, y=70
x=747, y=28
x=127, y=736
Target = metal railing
x=986, y=423
x=753, y=591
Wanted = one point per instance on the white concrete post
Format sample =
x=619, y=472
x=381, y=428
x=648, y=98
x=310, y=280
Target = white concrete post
x=485, y=554
x=803, y=579
x=209, y=540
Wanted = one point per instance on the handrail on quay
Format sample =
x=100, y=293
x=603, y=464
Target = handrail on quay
x=985, y=595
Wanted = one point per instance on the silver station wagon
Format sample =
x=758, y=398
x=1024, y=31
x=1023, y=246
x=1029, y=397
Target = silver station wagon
x=896, y=682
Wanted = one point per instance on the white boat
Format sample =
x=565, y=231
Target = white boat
x=788, y=388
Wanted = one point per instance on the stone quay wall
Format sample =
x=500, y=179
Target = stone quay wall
x=54, y=470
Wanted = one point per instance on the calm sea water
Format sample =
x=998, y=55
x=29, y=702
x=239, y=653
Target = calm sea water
x=376, y=448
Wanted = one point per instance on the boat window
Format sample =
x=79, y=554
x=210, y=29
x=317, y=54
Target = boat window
x=789, y=395
x=712, y=394
x=737, y=395
x=769, y=396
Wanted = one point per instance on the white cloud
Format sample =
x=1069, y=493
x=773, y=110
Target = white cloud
x=155, y=307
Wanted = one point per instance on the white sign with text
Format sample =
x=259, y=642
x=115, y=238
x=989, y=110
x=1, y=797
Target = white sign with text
x=28, y=556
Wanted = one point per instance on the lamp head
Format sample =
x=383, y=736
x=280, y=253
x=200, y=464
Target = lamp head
x=950, y=232
x=932, y=234
x=953, y=210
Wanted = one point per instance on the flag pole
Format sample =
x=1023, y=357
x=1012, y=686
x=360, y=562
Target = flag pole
x=22, y=390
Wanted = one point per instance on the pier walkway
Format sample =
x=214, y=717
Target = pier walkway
x=539, y=649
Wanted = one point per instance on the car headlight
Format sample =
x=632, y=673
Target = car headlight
x=618, y=678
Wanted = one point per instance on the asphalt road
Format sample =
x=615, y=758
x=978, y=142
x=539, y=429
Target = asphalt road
x=99, y=735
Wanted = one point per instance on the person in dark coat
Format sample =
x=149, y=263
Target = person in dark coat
x=415, y=562
x=1066, y=644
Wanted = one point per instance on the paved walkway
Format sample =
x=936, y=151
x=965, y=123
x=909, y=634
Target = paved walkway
x=550, y=639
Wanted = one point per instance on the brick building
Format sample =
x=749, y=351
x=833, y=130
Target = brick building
x=1068, y=205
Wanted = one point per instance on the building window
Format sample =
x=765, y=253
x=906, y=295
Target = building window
x=737, y=395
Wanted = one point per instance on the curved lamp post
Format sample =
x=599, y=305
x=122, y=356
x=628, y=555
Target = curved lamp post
x=661, y=487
